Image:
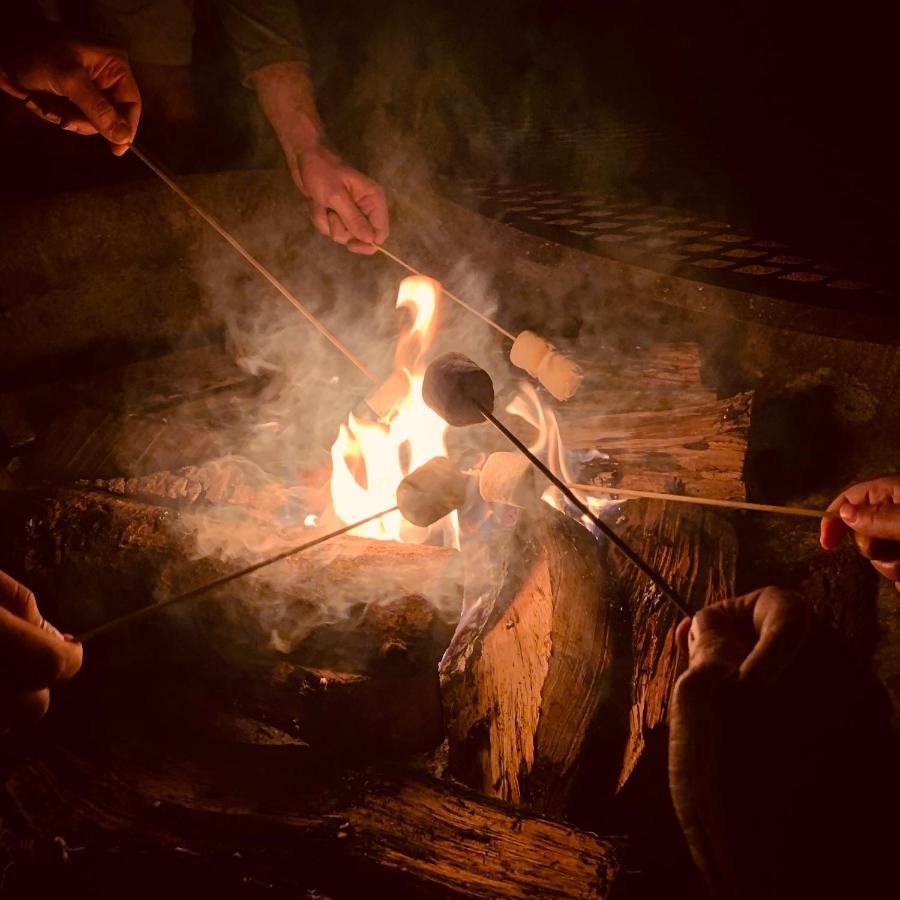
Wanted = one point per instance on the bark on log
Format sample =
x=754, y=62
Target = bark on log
x=351, y=631
x=657, y=377
x=233, y=819
x=654, y=425
x=529, y=675
x=695, y=550
x=696, y=449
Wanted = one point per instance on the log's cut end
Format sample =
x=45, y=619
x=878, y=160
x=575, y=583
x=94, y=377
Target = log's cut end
x=526, y=683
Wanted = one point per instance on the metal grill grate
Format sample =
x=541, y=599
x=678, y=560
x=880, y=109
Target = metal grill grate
x=660, y=238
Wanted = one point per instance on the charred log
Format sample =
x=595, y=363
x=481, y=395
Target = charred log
x=695, y=550
x=351, y=632
x=530, y=673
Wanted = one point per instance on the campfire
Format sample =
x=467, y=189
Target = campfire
x=370, y=459
x=415, y=693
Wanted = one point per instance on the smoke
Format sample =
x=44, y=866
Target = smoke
x=416, y=109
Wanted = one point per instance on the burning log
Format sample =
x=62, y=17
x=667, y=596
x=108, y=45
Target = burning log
x=695, y=549
x=353, y=630
x=530, y=671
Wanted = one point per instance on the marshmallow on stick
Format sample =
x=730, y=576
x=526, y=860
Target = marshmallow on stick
x=458, y=390
x=528, y=351
x=431, y=492
x=560, y=374
x=556, y=371
x=510, y=478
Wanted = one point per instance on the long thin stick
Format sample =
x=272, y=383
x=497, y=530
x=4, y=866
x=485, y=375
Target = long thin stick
x=450, y=294
x=706, y=501
x=154, y=608
x=667, y=590
x=281, y=288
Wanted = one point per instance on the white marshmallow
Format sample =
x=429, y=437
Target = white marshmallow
x=528, y=351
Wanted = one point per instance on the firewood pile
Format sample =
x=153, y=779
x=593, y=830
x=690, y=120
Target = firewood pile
x=420, y=720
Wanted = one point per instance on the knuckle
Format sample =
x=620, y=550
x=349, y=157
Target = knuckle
x=58, y=663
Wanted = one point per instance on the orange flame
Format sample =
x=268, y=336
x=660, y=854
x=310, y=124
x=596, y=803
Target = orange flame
x=550, y=447
x=370, y=459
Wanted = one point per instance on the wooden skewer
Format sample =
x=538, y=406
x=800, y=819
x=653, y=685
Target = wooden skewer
x=665, y=588
x=707, y=501
x=278, y=285
x=155, y=608
x=474, y=310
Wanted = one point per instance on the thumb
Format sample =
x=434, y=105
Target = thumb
x=353, y=218
x=881, y=520
x=97, y=109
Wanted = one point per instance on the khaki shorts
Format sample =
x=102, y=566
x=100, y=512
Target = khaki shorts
x=152, y=31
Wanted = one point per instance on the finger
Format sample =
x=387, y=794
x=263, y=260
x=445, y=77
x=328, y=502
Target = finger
x=374, y=205
x=352, y=217
x=889, y=570
x=11, y=88
x=24, y=708
x=30, y=658
x=96, y=108
x=681, y=635
x=831, y=532
x=19, y=600
x=881, y=520
x=319, y=217
x=338, y=231
x=127, y=99
x=780, y=621
x=41, y=110
x=361, y=248
x=717, y=636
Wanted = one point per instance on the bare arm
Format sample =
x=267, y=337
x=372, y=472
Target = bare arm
x=268, y=41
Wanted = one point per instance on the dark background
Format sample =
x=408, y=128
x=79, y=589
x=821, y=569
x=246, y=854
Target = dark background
x=774, y=116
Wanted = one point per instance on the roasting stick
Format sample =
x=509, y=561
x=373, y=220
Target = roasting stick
x=450, y=294
x=657, y=579
x=462, y=394
x=430, y=492
x=256, y=264
x=154, y=608
x=707, y=501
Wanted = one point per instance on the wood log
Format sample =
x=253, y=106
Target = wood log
x=695, y=550
x=657, y=377
x=697, y=449
x=233, y=818
x=529, y=676
x=645, y=420
x=351, y=631
x=229, y=480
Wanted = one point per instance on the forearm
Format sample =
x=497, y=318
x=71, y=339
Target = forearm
x=285, y=95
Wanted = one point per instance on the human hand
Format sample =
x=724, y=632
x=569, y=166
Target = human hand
x=347, y=206
x=731, y=645
x=34, y=656
x=870, y=511
x=780, y=754
x=84, y=88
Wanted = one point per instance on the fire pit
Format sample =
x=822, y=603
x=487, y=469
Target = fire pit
x=422, y=711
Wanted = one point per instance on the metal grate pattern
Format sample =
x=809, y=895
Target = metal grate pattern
x=660, y=238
